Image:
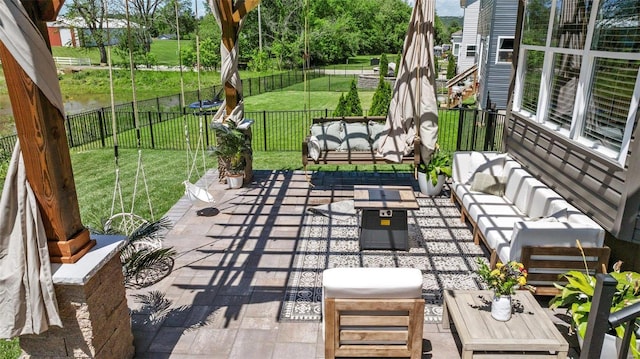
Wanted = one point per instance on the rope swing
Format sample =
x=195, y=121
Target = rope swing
x=195, y=193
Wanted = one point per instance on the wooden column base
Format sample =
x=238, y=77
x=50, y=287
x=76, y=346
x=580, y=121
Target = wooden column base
x=71, y=250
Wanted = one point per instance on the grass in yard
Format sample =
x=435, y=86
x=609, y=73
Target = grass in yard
x=165, y=170
x=9, y=349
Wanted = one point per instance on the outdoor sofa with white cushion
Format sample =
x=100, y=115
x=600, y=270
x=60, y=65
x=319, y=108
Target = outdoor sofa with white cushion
x=519, y=218
x=348, y=140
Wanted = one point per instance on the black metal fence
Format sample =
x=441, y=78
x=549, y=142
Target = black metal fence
x=460, y=129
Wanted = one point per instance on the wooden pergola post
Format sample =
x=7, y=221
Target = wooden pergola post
x=43, y=140
x=230, y=18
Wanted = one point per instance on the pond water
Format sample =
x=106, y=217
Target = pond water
x=75, y=104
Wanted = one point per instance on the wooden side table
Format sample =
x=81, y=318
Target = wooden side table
x=383, y=223
x=529, y=331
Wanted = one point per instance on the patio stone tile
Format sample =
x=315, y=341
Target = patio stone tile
x=264, y=304
x=222, y=317
x=167, y=338
x=294, y=350
x=217, y=343
x=253, y=343
x=298, y=332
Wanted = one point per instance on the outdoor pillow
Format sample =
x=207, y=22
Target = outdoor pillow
x=486, y=183
x=329, y=134
x=356, y=138
x=314, y=147
x=376, y=130
x=559, y=216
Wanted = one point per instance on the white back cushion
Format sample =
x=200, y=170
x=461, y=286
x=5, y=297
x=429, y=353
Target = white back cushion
x=467, y=163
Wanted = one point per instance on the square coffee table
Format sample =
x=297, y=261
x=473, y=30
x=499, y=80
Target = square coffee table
x=383, y=223
x=529, y=331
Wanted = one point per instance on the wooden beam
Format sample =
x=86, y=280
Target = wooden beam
x=229, y=38
x=40, y=129
x=243, y=7
x=48, y=10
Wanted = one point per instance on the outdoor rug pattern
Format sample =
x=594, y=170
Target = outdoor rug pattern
x=440, y=245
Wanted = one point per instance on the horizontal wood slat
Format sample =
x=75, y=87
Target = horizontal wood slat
x=374, y=320
x=373, y=351
x=374, y=304
x=374, y=335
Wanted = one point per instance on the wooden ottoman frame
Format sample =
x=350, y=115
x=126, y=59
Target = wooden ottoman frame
x=373, y=327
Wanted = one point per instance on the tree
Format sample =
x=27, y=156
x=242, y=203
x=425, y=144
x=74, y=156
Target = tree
x=381, y=99
x=451, y=66
x=384, y=65
x=354, y=108
x=143, y=12
x=166, y=19
x=341, y=108
x=94, y=13
x=441, y=35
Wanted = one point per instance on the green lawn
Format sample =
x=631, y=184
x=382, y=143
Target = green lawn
x=165, y=51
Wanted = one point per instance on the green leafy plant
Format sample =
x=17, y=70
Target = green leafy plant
x=577, y=297
x=439, y=164
x=232, y=146
x=505, y=278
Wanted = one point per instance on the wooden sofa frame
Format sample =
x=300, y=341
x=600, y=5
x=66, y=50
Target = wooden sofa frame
x=545, y=264
x=353, y=157
x=373, y=327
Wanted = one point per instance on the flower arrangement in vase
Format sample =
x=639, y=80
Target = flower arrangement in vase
x=503, y=280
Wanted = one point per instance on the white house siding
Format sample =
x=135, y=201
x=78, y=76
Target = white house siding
x=497, y=19
x=469, y=34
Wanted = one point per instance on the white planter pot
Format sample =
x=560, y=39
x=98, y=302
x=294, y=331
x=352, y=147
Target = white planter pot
x=501, y=308
x=235, y=181
x=610, y=346
x=427, y=188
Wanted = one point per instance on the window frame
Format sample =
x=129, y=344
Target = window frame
x=467, y=50
x=499, y=50
x=585, y=82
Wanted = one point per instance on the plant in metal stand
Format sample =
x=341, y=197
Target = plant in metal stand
x=231, y=148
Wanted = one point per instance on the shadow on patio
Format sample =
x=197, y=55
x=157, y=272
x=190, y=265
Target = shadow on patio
x=246, y=280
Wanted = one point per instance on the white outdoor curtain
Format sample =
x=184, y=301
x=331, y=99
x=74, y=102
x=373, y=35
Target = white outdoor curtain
x=229, y=71
x=27, y=298
x=413, y=103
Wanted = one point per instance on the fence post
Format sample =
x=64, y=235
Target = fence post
x=490, y=129
x=598, y=322
x=326, y=112
x=460, y=130
x=70, y=132
x=206, y=130
x=101, y=124
x=264, y=126
x=153, y=142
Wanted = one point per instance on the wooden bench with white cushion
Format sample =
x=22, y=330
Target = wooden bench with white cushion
x=373, y=312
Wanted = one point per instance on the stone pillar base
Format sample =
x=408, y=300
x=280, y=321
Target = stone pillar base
x=93, y=308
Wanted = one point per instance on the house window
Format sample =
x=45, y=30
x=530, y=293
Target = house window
x=471, y=51
x=582, y=79
x=505, y=50
x=456, y=49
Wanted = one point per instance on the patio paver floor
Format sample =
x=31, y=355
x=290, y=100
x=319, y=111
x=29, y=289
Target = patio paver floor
x=231, y=271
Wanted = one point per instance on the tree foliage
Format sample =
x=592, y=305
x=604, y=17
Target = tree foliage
x=381, y=99
x=354, y=107
x=451, y=66
x=384, y=65
x=94, y=13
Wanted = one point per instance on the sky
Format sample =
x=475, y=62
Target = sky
x=448, y=8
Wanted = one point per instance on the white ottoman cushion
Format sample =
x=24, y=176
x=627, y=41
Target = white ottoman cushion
x=372, y=283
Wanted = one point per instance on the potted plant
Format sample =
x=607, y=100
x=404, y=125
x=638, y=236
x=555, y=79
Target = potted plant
x=432, y=175
x=231, y=149
x=503, y=280
x=577, y=296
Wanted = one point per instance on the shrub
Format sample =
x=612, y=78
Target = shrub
x=353, y=106
x=384, y=66
x=381, y=99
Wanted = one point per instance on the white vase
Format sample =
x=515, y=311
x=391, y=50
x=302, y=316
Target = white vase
x=501, y=307
x=426, y=186
x=235, y=181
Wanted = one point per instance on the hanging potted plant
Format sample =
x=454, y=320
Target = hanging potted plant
x=231, y=150
x=577, y=297
x=432, y=175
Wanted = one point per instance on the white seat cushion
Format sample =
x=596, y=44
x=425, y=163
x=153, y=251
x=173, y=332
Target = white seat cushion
x=372, y=283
